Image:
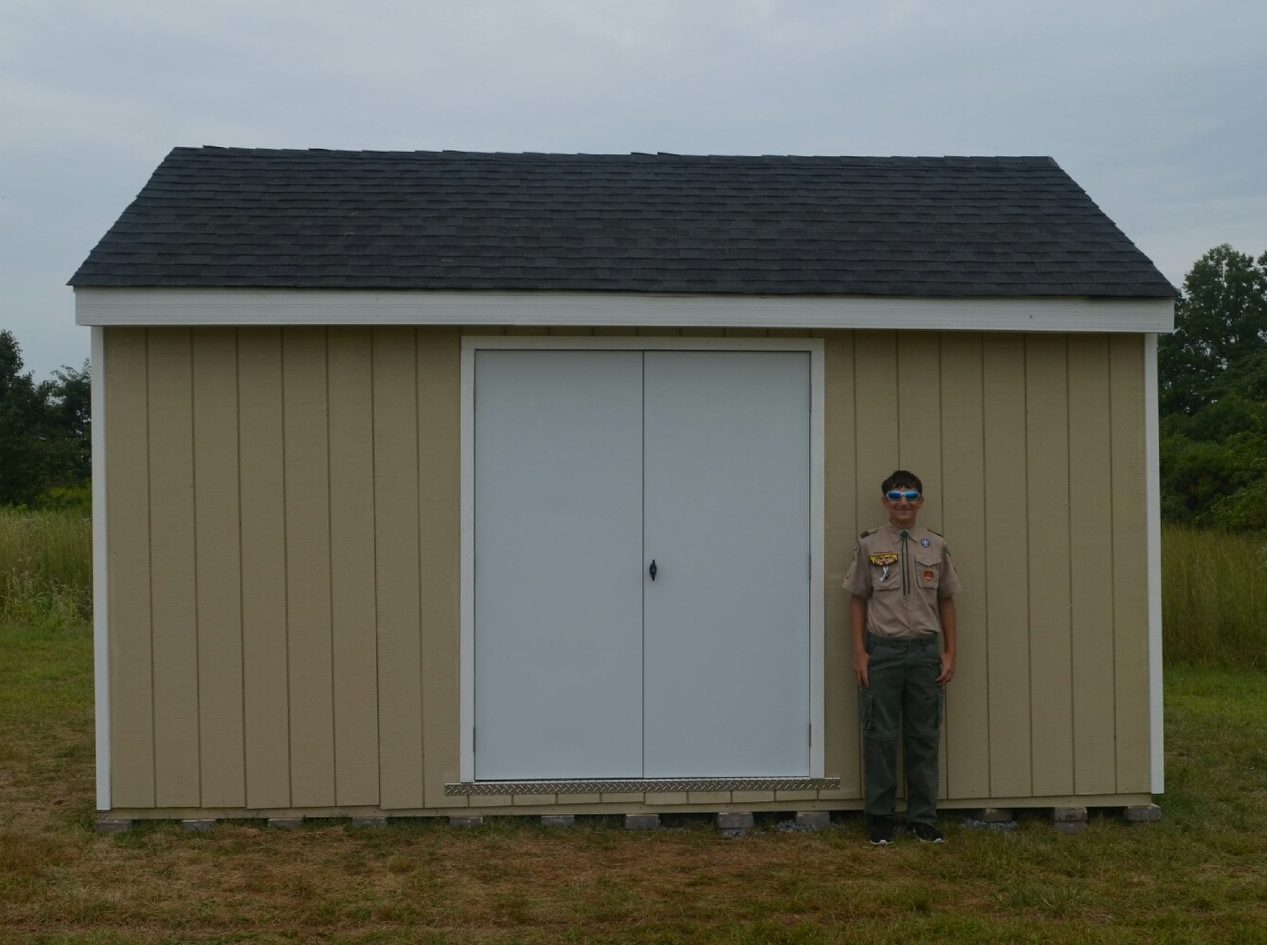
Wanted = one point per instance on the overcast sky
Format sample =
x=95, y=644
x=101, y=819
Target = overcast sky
x=1157, y=108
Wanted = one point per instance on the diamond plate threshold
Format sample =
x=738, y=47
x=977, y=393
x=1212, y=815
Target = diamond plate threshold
x=639, y=785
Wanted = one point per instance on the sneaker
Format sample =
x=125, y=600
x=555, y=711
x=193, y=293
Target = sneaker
x=927, y=833
x=881, y=832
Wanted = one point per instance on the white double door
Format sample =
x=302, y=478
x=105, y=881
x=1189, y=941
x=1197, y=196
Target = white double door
x=590, y=467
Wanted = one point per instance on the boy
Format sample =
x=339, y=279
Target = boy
x=902, y=617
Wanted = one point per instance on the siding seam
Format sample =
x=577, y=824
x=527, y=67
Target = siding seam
x=290, y=748
x=334, y=687
x=1108, y=344
x=422, y=633
x=985, y=571
x=237, y=411
x=378, y=693
x=1073, y=689
x=149, y=566
x=193, y=479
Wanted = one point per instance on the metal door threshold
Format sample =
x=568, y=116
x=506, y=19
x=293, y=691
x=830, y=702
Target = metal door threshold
x=638, y=785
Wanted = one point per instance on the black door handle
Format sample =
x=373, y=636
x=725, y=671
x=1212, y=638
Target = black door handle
x=652, y=570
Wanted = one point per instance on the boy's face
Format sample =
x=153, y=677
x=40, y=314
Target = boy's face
x=900, y=505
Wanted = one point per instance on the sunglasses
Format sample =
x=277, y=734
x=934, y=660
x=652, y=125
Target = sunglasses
x=897, y=495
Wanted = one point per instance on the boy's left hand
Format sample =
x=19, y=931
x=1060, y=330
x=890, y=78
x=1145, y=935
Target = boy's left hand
x=947, y=669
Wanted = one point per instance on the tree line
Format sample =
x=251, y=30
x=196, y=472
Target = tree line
x=1212, y=403
x=45, y=437
x=1212, y=396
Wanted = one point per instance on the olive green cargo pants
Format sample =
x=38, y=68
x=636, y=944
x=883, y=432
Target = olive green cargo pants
x=903, y=695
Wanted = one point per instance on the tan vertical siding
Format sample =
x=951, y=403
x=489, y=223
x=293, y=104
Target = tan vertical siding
x=877, y=447
x=439, y=506
x=218, y=577
x=308, y=625
x=128, y=557
x=842, y=749
x=397, y=538
x=920, y=417
x=352, y=565
x=1006, y=565
x=173, y=597
x=285, y=506
x=265, y=675
x=1130, y=578
x=920, y=443
x=963, y=501
x=1047, y=473
x=1091, y=564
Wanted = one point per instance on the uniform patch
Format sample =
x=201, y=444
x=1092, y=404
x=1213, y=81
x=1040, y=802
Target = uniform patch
x=928, y=576
x=883, y=559
x=925, y=542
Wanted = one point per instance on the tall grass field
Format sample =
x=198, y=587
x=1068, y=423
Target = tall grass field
x=1214, y=585
x=45, y=567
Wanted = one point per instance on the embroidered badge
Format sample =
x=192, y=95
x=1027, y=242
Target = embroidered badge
x=883, y=559
x=925, y=542
x=928, y=576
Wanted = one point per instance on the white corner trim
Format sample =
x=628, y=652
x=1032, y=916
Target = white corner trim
x=1152, y=497
x=160, y=307
x=818, y=451
x=100, y=584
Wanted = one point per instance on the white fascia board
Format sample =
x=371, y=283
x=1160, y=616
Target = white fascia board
x=179, y=307
x=100, y=583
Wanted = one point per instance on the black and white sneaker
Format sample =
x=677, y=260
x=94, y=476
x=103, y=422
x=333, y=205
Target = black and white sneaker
x=927, y=833
x=881, y=832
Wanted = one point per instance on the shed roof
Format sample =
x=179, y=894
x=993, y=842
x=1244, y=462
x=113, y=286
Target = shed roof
x=663, y=223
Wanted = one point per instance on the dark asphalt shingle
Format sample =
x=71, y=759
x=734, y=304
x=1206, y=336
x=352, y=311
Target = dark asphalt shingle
x=955, y=226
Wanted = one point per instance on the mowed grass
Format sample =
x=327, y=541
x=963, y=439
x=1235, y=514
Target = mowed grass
x=1199, y=876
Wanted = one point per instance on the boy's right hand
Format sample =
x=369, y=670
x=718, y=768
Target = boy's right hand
x=860, y=662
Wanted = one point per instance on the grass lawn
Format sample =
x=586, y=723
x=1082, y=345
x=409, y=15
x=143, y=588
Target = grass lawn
x=1201, y=875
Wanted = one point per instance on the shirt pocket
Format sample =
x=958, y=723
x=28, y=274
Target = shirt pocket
x=927, y=572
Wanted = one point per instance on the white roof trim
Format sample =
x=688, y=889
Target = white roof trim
x=171, y=307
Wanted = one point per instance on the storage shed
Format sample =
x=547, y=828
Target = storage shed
x=429, y=483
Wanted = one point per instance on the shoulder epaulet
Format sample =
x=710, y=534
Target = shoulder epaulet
x=870, y=531
x=937, y=533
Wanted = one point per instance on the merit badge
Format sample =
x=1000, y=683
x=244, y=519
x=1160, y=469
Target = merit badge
x=928, y=576
x=925, y=542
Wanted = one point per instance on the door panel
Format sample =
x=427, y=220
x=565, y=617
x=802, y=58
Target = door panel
x=558, y=591
x=726, y=686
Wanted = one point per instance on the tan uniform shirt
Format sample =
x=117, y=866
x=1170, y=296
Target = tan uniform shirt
x=902, y=580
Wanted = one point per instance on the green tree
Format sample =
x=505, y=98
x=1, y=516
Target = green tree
x=1212, y=374
x=45, y=440
x=22, y=427
x=1220, y=325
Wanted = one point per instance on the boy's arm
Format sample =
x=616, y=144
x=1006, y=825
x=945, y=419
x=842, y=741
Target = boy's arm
x=858, y=628
x=949, y=632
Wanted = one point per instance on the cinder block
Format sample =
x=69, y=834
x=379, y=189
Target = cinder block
x=286, y=823
x=364, y=823
x=466, y=820
x=813, y=819
x=1144, y=814
x=197, y=826
x=110, y=825
x=730, y=821
x=558, y=820
x=1068, y=815
x=995, y=815
x=642, y=821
